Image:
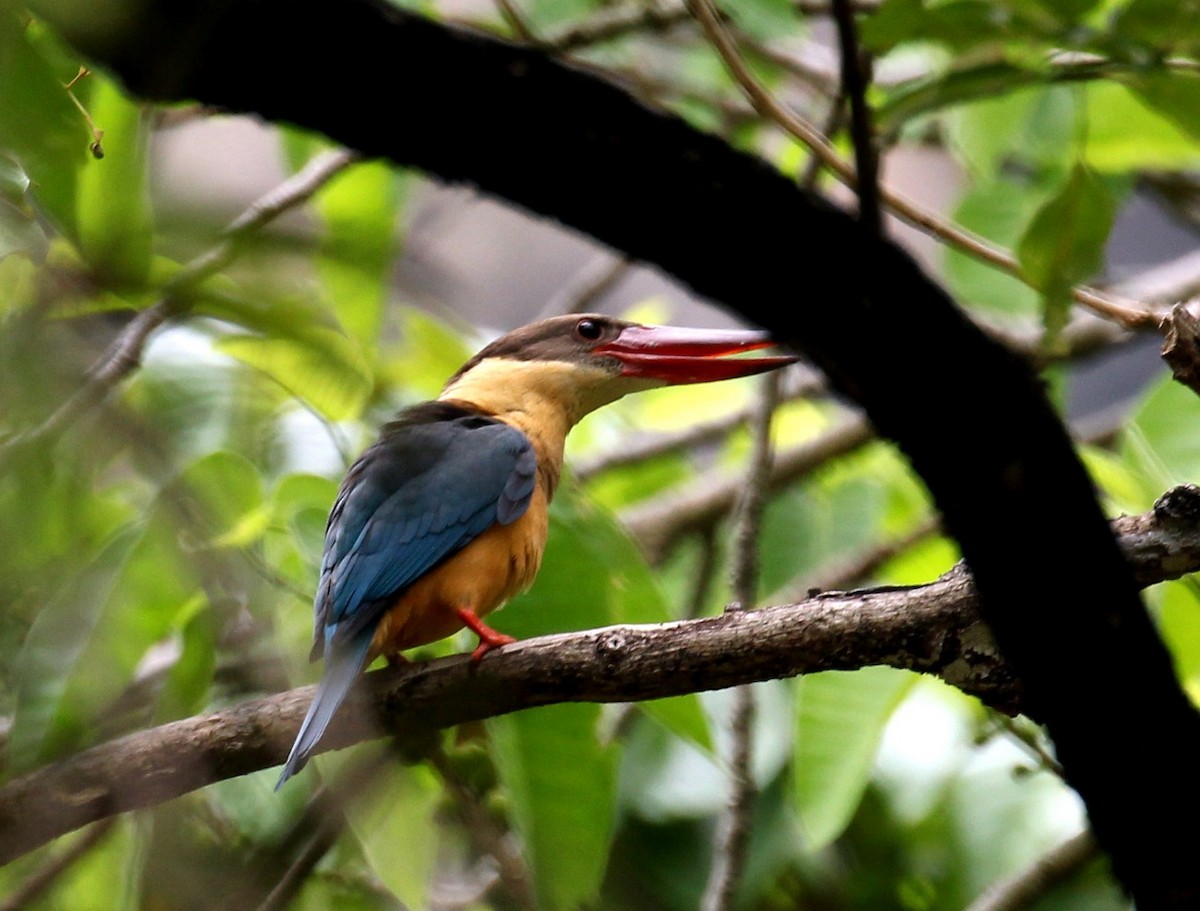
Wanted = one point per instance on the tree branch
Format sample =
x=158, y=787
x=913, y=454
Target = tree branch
x=934, y=629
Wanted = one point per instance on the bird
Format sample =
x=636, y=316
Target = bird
x=444, y=518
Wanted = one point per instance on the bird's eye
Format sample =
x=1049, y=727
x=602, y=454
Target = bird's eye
x=588, y=330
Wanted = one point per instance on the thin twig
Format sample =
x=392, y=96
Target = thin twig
x=1127, y=313
x=125, y=353
x=1025, y=888
x=854, y=84
x=734, y=827
x=36, y=884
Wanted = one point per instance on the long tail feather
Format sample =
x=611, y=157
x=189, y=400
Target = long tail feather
x=343, y=665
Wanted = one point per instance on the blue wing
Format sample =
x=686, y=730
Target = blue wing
x=438, y=477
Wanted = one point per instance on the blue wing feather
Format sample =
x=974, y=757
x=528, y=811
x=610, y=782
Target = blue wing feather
x=438, y=478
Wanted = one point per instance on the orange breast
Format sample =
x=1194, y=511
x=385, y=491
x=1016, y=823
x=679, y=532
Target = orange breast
x=497, y=565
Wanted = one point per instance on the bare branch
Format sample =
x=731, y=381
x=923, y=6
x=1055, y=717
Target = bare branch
x=933, y=629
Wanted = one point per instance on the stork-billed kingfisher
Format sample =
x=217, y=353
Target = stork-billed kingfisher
x=445, y=517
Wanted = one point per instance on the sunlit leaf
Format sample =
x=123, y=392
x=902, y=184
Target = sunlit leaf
x=840, y=719
x=1064, y=243
x=1172, y=94
x=1179, y=609
x=1152, y=443
x=18, y=281
x=430, y=351
x=102, y=878
x=323, y=367
x=1125, y=133
x=113, y=205
x=921, y=563
x=359, y=244
x=39, y=126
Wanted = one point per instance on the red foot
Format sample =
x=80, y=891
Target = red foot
x=488, y=637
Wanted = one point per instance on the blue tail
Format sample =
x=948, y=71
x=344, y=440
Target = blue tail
x=343, y=664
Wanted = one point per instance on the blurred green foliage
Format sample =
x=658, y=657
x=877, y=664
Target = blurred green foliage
x=160, y=546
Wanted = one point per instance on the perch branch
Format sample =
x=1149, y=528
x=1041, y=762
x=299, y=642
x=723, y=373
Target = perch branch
x=932, y=629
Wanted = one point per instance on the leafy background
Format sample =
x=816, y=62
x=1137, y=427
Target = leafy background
x=161, y=543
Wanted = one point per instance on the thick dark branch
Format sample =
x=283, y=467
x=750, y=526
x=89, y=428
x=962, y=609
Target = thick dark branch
x=933, y=628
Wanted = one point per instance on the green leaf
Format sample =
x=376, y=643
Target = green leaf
x=1032, y=129
x=562, y=784
x=113, y=204
x=960, y=25
x=429, y=353
x=840, y=718
x=320, y=365
x=230, y=490
x=986, y=81
x=1125, y=134
x=53, y=648
x=39, y=126
x=18, y=281
x=1156, y=28
x=186, y=688
x=1152, y=443
x=393, y=825
x=1064, y=244
x=1179, y=605
x=359, y=245
x=1173, y=94
x=765, y=19
x=999, y=212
